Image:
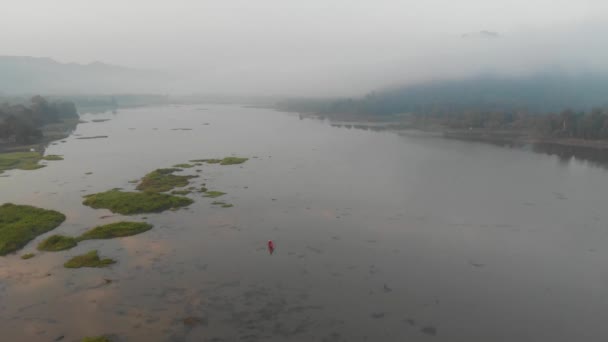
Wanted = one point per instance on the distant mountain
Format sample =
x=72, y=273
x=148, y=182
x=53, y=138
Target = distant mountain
x=538, y=93
x=32, y=75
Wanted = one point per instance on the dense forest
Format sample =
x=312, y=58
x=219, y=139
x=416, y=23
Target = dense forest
x=548, y=104
x=21, y=123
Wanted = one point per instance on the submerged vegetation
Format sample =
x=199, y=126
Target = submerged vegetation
x=52, y=157
x=233, y=160
x=90, y=259
x=225, y=161
x=113, y=230
x=20, y=160
x=19, y=224
x=214, y=194
x=129, y=203
x=183, y=166
x=57, y=243
x=180, y=192
x=212, y=161
x=222, y=204
x=28, y=256
x=162, y=180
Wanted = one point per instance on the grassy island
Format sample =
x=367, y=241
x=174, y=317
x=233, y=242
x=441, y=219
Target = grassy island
x=162, y=180
x=117, y=229
x=90, y=259
x=19, y=224
x=57, y=243
x=129, y=203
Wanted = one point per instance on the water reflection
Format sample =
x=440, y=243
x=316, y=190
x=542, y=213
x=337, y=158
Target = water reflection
x=379, y=237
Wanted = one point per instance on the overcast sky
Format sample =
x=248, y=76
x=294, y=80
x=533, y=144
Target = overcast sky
x=311, y=47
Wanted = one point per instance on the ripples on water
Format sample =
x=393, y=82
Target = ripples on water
x=379, y=237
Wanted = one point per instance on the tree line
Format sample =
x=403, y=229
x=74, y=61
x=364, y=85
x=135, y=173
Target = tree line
x=21, y=123
x=535, y=104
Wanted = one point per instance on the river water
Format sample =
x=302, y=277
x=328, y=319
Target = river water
x=379, y=237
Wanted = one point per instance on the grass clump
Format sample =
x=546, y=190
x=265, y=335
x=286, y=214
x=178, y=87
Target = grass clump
x=180, y=192
x=117, y=229
x=19, y=224
x=28, y=256
x=20, y=160
x=162, y=180
x=129, y=203
x=233, y=161
x=57, y=243
x=53, y=157
x=96, y=339
x=90, y=259
x=222, y=204
x=214, y=194
x=183, y=166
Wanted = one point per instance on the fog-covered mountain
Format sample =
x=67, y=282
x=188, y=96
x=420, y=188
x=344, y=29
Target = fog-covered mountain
x=31, y=75
x=543, y=92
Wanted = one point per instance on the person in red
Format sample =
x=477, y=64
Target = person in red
x=270, y=246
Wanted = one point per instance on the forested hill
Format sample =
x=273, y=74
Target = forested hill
x=537, y=94
x=32, y=75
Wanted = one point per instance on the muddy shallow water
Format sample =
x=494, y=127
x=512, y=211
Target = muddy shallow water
x=379, y=237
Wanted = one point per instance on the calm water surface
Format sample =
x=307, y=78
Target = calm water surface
x=379, y=237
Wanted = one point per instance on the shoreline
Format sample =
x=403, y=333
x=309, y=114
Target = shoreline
x=595, y=151
x=50, y=133
x=489, y=136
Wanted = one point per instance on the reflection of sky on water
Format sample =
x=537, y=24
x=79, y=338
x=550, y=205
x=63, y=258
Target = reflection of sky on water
x=379, y=237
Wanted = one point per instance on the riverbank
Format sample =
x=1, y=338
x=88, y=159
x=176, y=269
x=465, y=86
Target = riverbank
x=50, y=133
x=595, y=151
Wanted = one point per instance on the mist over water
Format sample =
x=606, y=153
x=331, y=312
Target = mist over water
x=316, y=48
x=352, y=216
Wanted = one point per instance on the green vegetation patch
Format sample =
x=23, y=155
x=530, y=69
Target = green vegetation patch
x=222, y=204
x=162, y=180
x=233, y=161
x=90, y=259
x=19, y=224
x=28, y=256
x=57, y=243
x=129, y=203
x=211, y=161
x=183, y=165
x=180, y=192
x=96, y=339
x=53, y=157
x=20, y=160
x=117, y=229
x=225, y=161
x=214, y=194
